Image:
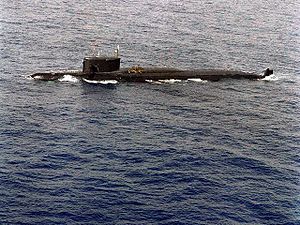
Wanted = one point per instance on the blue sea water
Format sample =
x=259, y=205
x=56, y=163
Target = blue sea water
x=186, y=153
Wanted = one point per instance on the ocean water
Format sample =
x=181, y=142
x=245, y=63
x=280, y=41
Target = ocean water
x=136, y=153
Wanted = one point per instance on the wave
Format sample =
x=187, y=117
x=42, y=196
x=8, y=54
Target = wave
x=69, y=78
x=173, y=81
x=167, y=81
x=100, y=81
x=28, y=77
x=198, y=80
x=271, y=78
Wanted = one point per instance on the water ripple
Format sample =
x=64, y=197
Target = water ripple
x=188, y=153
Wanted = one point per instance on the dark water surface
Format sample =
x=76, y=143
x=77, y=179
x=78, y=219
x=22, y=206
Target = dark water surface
x=185, y=153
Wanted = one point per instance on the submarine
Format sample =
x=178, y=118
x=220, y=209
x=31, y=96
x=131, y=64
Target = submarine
x=107, y=70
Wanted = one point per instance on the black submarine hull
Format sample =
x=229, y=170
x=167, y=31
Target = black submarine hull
x=155, y=74
x=108, y=68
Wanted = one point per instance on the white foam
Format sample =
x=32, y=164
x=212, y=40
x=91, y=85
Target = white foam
x=170, y=81
x=100, y=81
x=37, y=77
x=270, y=78
x=198, y=80
x=68, y=78
x=167, y=81
x=153, y=82
x=28, y=77
x=108, y=82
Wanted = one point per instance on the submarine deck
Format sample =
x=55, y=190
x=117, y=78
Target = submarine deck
x=139, y=74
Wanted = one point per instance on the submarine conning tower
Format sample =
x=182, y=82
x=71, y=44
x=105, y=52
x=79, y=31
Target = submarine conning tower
x=97, y=64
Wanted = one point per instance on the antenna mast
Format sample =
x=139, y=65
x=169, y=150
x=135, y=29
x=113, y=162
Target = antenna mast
x=117, y=51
